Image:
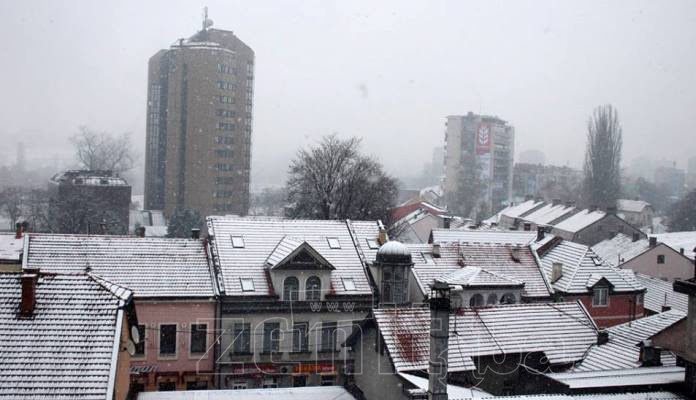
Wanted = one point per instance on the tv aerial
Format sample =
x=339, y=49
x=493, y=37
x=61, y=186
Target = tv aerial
x=207, y=22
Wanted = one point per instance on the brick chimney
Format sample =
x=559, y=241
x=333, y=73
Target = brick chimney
x=602, y=337
x=19, y=230
x=527, y=226
x=29, y=281
x=636, y=236
x=382, y=238
x=439, y=341
x=140, y=232
x=195, y=233
x=652, y=241
x=593, y=208
x=650, y=356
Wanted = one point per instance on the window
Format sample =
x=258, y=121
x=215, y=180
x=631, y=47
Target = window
x=639, y=299
x=166, y=386
x=348, y=284
x=167, y=341
x=140, y=347
x=224, y=153
x=291, y=289
x=247, y=284
x=600, y=296
x=476, y=300
x=508, y=298
x=226, y=85
x=227, y=99
x=225, y=126
x=313, y=289
x=242, y=336
x=300, y=339
x=271, y=382
x=394, y=285
x=237, y=242
x=271, y=337
x=328, y=336
x=199, y=339
x=238, y=385
x=225, y=69
x=299, y=381
x=223, y=167
x=334, y=243
x=222, y=194
x=224, y=180
x=224, y=140
x=372, y=244
x=225, y=113
x=197, y=385
x=328, y=380
x=660, y=258
x=492, y=299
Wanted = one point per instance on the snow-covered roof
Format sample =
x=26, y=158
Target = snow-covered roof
x=515, y=263
x=255, y=238
x=66, y=349
x=582, y=268
x=563, y=331
x=661, y=293
x=635, y=206
x=620, y=247
x=516, y=211
x=679, y=240
x=290, y=393
x=628, y=395
x=88, y=178
x=622, y=350
x=477, y=277
x=483, y=236
x=453, y=391
x=580, y=221
x=548, y=213
x=151, y=267
x=632, y=377
x=10, y=247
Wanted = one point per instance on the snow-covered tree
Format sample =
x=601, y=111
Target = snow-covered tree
x=334, y=181
x=602, y=185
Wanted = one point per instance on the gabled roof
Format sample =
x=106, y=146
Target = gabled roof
x=521, y=238
x=679, y=240
x=289, y=247
x=563, y=331
x=477, y=277
x=661, y=293
x=582, y=268
x=151, y=267
x=622, y=350
x=635, y=206
x=577, y=222
x=515, y=263
x=620, y=247
x=518, y=210
x=66, y=349
x=549, y=213
x=261, y=236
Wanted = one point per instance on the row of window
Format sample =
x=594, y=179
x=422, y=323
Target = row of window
x=224, y=140
x=225, y=69
x=224, y=180
x=227, y=99
x=272, y=382
x=291, y=289
x=223, y=153
x=198, y=339
x=224, y=167
x=225, y=126
x=222, y=194
x=477, y=300
x=225, y=113
x=224, y=85
x=272, y=335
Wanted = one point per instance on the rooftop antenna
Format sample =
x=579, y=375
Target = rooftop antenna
x=207, y=22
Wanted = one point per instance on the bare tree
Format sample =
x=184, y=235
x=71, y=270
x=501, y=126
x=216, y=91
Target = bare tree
x=11, y=204
x=101, y=151
x=334, y=181
x=602, y=185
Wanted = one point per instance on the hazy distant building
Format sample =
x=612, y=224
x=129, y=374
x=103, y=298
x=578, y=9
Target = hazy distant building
x=691, y=173
x=532, y=156
x=88, y=202
x=671, y=180
x=545, y=181
x=199, y=119
x=492, y=141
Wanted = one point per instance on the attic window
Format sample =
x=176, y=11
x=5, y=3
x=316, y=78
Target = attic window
x=333, y=242
x=372, y=244
x=247, y=284
x=237, y=242
x=596, y=261
x=348, y=284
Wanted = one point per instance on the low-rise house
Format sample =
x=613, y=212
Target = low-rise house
x=509, y=217
x=416, y=226
x=290, y=293
x=636, y=212
x=172, y=283
x=549, y=214
x=64, y=336
x=680, y=240
x=473, y=236
x=591, y=226
x=647, y=256
x=660, y=296
x=11, y=248
x=611, y=295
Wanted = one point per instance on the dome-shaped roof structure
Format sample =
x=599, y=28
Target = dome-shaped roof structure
x=394, y=252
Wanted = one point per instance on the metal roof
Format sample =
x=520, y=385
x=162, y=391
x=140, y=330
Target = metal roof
x=151, y=267
x=661, y=293
x=563, y=331
x=261, y=236
x=621, y=248
x=475, y=276
x=582, y=268
x=11, y=247
x=66, y=349
x=483, y=236
x=622, y=350
x=549, y=213
x=635, y=206
x=580, y=221
x=621, y=377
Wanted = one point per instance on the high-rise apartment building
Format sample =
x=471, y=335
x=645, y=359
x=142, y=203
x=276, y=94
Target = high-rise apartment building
x=491, y=141
x=199, y=121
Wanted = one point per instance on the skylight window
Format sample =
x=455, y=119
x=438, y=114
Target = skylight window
x=334, y=243
x=349, y=283
x=237, y=242
x=372, y=244
x=247, y=284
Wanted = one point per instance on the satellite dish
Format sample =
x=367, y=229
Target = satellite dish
x=135, y=334
x=130, y=347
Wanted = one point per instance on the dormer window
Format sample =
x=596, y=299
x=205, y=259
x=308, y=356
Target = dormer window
x=600, y=296
x=313, y=289
x=247, y=284
x=348, y=284
x=238, y=242
x=333, y=242
x=291, y=289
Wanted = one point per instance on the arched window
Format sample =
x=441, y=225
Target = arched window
x=476, y=300
x=291, y=289
x=492, y=299
x=313, y=290
x=508, y=298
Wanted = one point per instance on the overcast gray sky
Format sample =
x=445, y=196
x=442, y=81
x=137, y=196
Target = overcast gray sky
x=387, y=71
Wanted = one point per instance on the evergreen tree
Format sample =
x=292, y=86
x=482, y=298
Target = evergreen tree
x=602, y=185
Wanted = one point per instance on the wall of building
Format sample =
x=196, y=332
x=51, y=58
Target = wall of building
x=122, y=381
x=676, y=266
x=618, y=310
x=605, y=228
x=374, y=373
x=153, y=368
